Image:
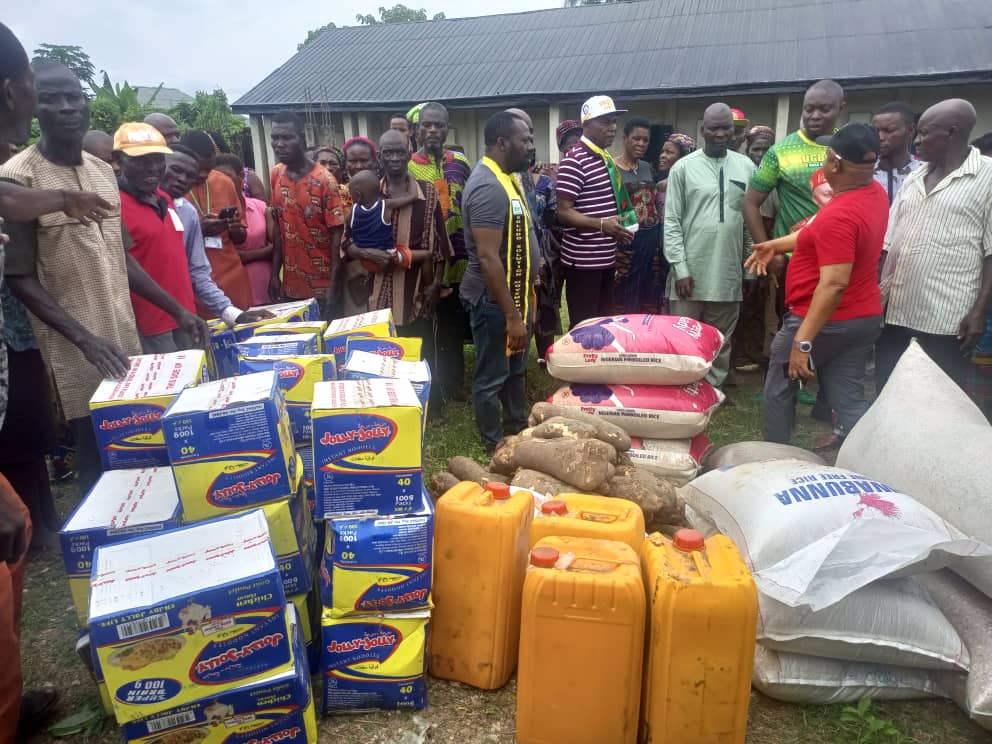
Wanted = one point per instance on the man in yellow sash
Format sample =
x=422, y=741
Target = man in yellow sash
x=498, y=286
x=595, y=209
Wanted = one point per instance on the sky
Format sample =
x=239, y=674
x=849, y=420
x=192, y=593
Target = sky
x=206, y=44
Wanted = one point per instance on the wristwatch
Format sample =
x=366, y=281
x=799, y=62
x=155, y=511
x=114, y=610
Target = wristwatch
x=806, y=347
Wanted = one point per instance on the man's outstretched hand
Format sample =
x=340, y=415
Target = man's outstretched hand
x=84, y=206
x=761, y=255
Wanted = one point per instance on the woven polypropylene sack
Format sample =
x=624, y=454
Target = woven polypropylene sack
x=970, y=612
x=812, y=534
x=795, y=678
x=636, y=350
x=925, y=437
x=740, y=453
x=892, y=621
x=651, y=411
x=676, y=459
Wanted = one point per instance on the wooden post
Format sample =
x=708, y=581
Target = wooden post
x=554, y=117
x=782, y=117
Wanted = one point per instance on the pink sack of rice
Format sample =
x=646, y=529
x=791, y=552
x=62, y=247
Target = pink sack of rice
x=651, y=411
x=636, y=350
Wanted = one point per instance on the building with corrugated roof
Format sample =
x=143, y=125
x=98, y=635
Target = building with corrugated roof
x=662, y=59
x=161, y=98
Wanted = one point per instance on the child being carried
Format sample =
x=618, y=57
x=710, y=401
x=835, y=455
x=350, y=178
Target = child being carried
x=371, y=218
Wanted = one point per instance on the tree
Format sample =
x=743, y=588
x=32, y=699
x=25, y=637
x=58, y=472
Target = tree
x=114, y=105
x=313, y=34
x=72, y=57
x=397, y=14
x=211, y=113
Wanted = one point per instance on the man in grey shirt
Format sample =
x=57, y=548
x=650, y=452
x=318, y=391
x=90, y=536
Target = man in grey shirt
x=498, y=286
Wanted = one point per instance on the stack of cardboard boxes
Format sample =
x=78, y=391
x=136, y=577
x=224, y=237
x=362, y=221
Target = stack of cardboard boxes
x=137, y=494
x=154, y=596
x=193, y=635
x=213, y=524
x=377, y=565
x=231, y=449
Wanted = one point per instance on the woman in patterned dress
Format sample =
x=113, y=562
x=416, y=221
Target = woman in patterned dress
x=635, y=262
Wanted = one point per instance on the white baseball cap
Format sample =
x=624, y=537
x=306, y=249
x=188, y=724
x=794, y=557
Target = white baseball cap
x=598, y=106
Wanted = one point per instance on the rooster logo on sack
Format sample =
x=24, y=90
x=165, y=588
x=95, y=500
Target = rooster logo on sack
x=872, y=505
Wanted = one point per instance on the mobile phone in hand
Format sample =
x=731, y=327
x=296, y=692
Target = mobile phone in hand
x=228, y=213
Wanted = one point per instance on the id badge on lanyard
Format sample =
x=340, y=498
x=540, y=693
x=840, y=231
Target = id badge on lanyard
x=214, y=242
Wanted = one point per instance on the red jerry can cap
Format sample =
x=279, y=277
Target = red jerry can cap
x=688, y=541
x=499, y=490
x=554, y=506
x=543, y=557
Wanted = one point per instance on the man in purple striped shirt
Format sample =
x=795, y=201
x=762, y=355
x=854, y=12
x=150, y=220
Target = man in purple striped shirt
x=587, y=207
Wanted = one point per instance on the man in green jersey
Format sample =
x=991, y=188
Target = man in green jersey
x=789, y=164
x=787, y=168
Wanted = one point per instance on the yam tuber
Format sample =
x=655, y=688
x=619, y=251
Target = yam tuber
x=558, y=427
x=656, y=496
x=541, y=483
x=504, y=459
x=605, y=431
x=441, y=483
x=581, y=463
x=467, y=469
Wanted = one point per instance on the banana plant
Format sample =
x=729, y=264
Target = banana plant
x=112, y=105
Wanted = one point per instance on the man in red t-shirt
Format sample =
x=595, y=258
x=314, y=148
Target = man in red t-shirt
x=834, y=308
x=156, y=234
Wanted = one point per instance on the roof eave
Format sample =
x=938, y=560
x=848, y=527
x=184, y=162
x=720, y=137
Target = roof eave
x=544, y=98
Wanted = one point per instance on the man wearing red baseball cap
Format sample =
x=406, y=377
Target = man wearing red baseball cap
x=157, y=234
x=741, y=123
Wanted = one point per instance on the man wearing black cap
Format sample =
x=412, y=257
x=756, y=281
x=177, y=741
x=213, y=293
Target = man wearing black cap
x=833, y=303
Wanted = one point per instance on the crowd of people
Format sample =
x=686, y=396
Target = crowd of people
x=820, y=253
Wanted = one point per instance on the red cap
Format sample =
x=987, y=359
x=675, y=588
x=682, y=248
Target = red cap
x=738, y=117
x=554, y=506
x=543, y=557
x=498, y=490
x=688, y=541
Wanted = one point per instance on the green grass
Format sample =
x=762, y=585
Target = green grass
x=456, y=713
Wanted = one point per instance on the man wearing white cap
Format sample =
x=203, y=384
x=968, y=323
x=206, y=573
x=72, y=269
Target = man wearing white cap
x=596, y=211
x=157, y=234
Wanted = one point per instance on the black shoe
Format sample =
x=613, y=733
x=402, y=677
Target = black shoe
x=37, y=707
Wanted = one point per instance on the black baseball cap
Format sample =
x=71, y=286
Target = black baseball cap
x=854, y=142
